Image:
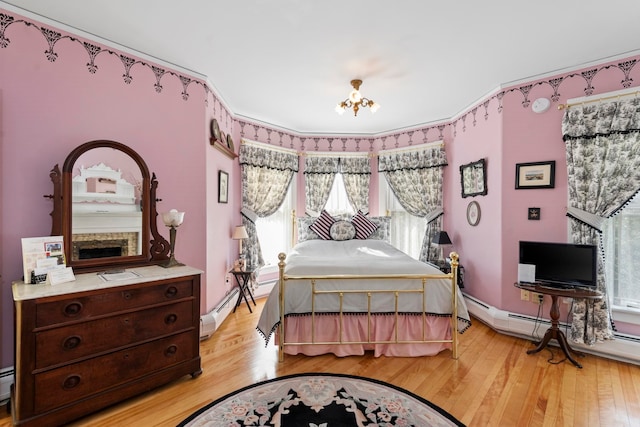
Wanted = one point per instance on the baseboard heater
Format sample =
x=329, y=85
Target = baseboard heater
x=211, y=321
x=624, y=347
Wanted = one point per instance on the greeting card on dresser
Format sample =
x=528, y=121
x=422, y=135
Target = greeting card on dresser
x=40, y=255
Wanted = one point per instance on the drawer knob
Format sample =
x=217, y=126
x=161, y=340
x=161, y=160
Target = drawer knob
x=71, y=342
x=71, y=381
x=170, y=318
x=171, y=350
x=126, y=295
x=72, y=309
x=171, y=292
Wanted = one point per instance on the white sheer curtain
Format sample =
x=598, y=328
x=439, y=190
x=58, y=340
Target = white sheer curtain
x=406, y=230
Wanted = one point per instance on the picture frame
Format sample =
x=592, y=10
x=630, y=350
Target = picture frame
x=473, y=213
x=473, y=178
x=533, y=214
x=223, y=187
x=535, y=175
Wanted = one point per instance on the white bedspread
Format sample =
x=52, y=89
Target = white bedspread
x=358, y=257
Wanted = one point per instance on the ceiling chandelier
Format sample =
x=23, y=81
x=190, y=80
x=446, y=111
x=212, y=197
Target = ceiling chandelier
x=356, y=100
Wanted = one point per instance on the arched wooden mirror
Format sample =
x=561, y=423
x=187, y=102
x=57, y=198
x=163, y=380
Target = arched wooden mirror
x=105, y=208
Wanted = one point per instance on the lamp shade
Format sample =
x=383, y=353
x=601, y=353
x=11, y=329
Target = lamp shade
x=240, y=232
x=441, y=238
x=172, y=218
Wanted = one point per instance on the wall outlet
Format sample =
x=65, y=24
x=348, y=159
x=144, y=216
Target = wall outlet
x=537, y=298
x=524, y=295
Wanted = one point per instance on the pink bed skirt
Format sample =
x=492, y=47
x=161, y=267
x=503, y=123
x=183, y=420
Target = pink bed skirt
x=298, y=329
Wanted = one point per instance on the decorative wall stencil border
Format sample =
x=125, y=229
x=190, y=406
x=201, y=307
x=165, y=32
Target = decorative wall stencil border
x=276, y=136
x=93, y=50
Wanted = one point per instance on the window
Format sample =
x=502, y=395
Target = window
x=338, y=202
x=274, y=232
x=621, y=240
x=407, y=231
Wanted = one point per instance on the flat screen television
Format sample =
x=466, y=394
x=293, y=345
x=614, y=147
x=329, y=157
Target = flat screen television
x=564, y=265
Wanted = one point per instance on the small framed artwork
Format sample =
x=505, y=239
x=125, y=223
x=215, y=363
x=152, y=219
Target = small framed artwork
x=535, y=175
x=223, y=187
x=533, y=214
x=473, y=177
x=473, y=213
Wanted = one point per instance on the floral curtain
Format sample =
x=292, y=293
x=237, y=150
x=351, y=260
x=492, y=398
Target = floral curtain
x=266, y=176
x=603, y=165
x=415, y=177
x=319, y=173
x=356, y=173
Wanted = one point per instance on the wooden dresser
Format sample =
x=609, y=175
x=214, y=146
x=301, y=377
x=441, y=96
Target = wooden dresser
x=84, y=345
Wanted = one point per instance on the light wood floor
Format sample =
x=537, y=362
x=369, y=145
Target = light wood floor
x=493, y=383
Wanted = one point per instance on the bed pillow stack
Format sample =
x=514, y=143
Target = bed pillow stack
x=329, y=228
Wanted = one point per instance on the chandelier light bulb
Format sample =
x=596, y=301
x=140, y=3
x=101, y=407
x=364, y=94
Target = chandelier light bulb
x=355, y=96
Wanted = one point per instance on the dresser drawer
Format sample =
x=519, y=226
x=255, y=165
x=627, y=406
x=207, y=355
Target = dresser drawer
x=72, y=342
x=117, y=299
x=80, y=380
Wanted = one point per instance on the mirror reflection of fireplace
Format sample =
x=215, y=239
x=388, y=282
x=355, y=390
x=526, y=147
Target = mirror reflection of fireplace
x=89, y=249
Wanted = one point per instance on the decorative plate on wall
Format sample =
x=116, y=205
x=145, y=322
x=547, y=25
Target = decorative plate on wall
x=230, y=142
x=215, y=130
x=473, y=213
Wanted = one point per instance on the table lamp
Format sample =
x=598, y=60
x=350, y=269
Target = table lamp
x=172, y=219
x=441, y=239
x=239, y=234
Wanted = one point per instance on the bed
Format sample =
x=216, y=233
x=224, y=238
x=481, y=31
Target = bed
x=350, y=295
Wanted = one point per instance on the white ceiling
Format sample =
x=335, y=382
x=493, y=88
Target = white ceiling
x=288, y=62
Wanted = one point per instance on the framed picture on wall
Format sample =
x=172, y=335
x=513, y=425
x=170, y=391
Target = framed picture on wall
x=223, y=187
x=535, y=175
x=473, y=177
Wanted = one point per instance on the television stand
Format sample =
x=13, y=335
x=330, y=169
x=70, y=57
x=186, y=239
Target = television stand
x=554, y=331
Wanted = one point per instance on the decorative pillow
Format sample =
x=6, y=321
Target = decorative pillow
x=342, y=230
x=364, y=227
x=322, y=225
x=304, y=232
x=384, y=225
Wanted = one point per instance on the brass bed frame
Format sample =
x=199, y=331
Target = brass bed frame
x=313, y=279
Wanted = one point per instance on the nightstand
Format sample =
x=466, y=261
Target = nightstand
x=446, y=268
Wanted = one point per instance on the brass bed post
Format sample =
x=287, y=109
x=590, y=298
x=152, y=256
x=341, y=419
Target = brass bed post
x=454, y=298
x=281, y=257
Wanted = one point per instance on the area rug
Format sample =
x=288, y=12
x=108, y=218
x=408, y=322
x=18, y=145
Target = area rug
x=321, y=400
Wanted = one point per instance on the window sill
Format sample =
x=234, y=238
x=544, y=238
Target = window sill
x=626, y=315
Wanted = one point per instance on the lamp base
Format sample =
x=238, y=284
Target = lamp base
x=172, y=263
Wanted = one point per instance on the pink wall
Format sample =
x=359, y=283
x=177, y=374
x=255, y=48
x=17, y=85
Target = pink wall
x=47, y=108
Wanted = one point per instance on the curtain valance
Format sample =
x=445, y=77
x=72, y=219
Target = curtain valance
x=416, y=159
x=333, y=165
x=253, y=155
x=604, y=118
x=321, y=165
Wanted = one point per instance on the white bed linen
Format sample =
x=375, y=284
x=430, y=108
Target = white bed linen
x=357, y=257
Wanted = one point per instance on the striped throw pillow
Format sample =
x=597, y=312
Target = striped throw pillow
x=364, y=226
x=322, y=225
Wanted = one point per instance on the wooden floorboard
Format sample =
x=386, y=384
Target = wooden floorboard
x=493, y=383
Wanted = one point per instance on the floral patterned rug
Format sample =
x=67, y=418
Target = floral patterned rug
x=321, y=400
